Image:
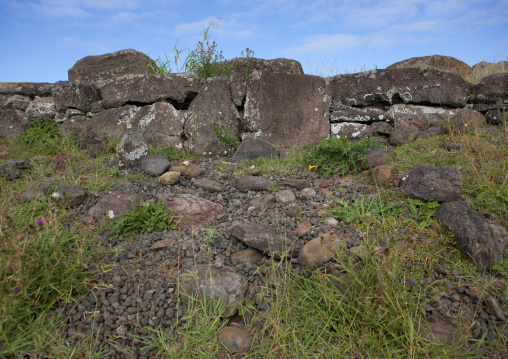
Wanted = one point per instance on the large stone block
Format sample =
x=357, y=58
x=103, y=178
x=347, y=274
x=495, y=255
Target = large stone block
x=213, y=105
x=12, y=123
x=436, y=61
x=490, y=89
x=288, y=110
x=410, y=86
x=247, y=66
x=104, y=67
x=460, y=119
x=161, y=124
x=41, y=107
x=30, y=89
x=179, y=89
x=115, y=122
x=75, y=96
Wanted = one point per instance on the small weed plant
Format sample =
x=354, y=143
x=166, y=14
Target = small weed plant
x=173, y=154
x=421, y=211
x=146, y=217
x=362, y=209
x=225, y=135
x=338, y=153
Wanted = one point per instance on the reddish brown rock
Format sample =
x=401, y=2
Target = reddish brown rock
x=386, y=173
x=112, y=205
x=191, y=210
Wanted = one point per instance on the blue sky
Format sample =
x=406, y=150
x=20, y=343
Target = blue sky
x=42, y=39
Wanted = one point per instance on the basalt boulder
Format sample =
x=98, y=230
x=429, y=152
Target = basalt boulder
x=178, y=89
x=246, y=66
x=212, y=108
x=75, y=96
x=436, y=61
x=424, y=86
x=104, y=67
x=287, y=110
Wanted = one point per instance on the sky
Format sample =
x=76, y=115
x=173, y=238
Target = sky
x=42, y=39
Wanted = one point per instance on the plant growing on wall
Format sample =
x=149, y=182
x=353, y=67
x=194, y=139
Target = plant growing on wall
x=225, y=134
x=205, y=60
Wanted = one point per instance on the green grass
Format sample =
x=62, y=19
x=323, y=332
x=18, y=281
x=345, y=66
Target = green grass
x=334, y=153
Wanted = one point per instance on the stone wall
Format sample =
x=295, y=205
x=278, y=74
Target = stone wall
x=274, y=101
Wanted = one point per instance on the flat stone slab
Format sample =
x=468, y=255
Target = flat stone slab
x=215, y=283
x=112, y=205
x=264, y=238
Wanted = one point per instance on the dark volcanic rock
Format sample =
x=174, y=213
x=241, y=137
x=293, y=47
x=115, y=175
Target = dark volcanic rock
x=285, y=66
x=264, y=238
x=287, y=110
x=77, y=96
x=212, y=107
x=154, y=165
x=412, y=85
x=490, y=89
x=70, y=196
x=179, y=89
x=253, y=183
x=41, y=107
x=480, y=242
x=429, y=183
x=208, y=185
x=252, y=148
x=108, y=66
x=12, y=169
x=436, y=61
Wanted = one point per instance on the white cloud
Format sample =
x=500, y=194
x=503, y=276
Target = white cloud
x=326, y=43
x=91, y=47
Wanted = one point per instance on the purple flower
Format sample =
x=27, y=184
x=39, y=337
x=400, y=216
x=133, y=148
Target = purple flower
x=40, y=222
x=416, y=263
x=57, y=211
x=16, y=289
x=412, y=281
x=69, y=220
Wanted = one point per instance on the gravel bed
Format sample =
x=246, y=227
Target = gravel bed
x=138, y=290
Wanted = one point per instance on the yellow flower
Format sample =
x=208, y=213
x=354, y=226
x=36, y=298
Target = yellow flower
x=312, y=166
